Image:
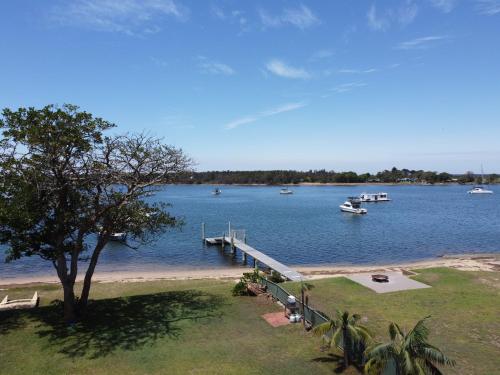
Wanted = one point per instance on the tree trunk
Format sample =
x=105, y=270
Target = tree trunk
x=69, y=302
x=87, y=281
x=346, y=348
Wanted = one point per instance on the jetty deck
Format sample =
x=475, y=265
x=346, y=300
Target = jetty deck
x=257, y=255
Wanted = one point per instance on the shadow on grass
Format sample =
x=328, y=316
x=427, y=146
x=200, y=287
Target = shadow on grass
x=125, y=323
x=338, y=361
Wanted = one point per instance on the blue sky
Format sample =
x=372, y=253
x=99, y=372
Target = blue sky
x=342, y=85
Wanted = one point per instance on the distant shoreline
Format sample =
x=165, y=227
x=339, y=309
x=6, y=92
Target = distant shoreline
x=487, y=262
x=336, y=184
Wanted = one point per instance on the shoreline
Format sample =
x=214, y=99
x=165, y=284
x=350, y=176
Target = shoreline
x=337, y=184
x=489, y=262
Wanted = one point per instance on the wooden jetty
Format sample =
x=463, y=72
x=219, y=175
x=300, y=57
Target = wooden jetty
x=257, y=256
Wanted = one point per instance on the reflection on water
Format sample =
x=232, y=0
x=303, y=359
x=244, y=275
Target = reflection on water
x=308, y=227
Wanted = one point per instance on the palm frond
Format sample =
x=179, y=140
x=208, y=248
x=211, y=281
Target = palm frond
x=324, y=328
x=394, y=331
x=381, y=352
x=433, y=354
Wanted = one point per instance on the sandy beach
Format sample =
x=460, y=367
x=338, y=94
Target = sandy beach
x=466, y=262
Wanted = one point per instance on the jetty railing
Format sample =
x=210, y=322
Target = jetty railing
x=311, y=315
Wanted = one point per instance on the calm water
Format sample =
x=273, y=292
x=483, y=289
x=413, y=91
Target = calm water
x=308, y=227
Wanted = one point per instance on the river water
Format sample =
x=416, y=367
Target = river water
x=307, y=228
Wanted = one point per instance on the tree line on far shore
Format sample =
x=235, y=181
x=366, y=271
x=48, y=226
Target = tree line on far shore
x=277, y=177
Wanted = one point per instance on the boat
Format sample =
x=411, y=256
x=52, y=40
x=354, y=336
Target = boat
x=120, y=236
x=374, y=197
x=353, y=205
x=480, y=189
x=286, y=191
x=217, y=192
x=26, y=303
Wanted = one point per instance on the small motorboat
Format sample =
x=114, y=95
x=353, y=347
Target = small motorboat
x=217, y=192
x=122, y=237
x=286, y=191
x=374, y=197
x=353, y=205
x=480, y=190
x=27, y=303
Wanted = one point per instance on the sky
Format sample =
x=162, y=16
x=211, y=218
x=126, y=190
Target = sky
x=243, y=85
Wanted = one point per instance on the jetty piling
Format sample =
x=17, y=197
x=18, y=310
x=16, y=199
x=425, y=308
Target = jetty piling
x=257, y=256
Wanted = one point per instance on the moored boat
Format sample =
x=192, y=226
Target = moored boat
x=119, y=236
x=480, y=190
x=374, y=197
x=353, y=205
x=217, y=192
x=286, y=191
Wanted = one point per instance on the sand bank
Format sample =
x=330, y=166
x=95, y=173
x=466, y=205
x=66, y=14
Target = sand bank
x=476, y=262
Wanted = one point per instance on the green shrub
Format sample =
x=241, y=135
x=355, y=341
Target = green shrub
x=240, y=289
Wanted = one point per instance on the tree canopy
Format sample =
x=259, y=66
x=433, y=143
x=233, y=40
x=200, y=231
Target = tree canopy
x=65, y=188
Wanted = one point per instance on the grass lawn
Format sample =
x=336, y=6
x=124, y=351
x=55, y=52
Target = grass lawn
x=197, y=327
x=161, y=327
x=464, y=309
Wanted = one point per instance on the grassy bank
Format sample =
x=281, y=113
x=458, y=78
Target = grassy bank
x=464, y=309
x=197, y=327
x=161, y=327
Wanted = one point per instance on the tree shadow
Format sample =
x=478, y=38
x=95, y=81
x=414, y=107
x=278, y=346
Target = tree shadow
x=338, y=361
x=11, y=320
x=125, y=323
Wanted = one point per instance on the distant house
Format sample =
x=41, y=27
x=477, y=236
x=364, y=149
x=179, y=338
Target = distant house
x=406, y=179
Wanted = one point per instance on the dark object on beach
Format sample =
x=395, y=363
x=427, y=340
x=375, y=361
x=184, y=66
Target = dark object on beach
x=380, y=278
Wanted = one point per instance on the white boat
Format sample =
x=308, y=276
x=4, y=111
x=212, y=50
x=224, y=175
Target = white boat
x=27, y=303
x=353, y=205
x=118, y=236
x=286, y=191
x=374, y=197
x=479, y=190
x=217, y=192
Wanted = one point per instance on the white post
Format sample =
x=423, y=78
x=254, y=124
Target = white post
x=229, y=233
x=203, y=231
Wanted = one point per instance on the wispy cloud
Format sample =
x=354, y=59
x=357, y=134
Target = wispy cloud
x=357, y=71
x=214, y=67
x=421, y=43
x=321, y=54
x=382, y=20
x=488, y=7
x=132, y=17
x=267, y=113
x=281, y=69
x=345, y=87
x=158, y=62
x=231, y=16
x=445, y=6
x=301, y=17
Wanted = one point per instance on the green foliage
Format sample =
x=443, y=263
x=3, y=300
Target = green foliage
x=275, y=277
x=63, y=181
x=346, y=334
x=406, y=353
x=279, y=177
x=240, y=289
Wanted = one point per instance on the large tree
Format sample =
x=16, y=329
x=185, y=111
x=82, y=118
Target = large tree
x=65, y=188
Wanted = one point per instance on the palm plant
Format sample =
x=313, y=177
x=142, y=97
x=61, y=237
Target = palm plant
x=406, y=353
x=346, y=334
x=304, y=287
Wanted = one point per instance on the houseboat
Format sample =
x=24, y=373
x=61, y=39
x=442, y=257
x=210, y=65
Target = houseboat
x=374, y=197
